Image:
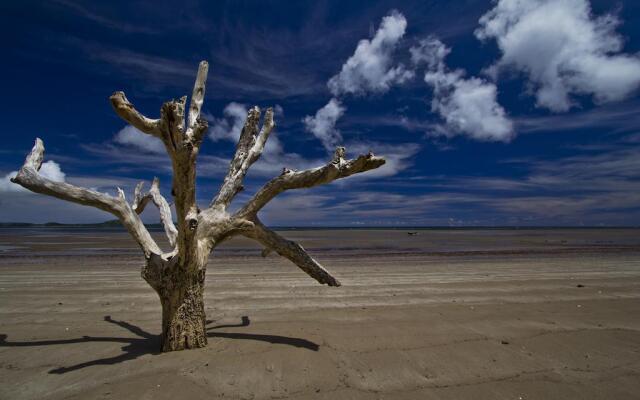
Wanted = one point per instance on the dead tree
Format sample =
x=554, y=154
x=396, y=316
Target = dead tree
x=178, y=275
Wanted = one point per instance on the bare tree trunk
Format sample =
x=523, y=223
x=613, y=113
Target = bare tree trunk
x=181, y=290
x=183, y=317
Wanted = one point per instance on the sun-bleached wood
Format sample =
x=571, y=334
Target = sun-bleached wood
x=290, y=250
x=127, y=111
x=140, y=201
x=197, y=98
x=248, y=150
x=29, y=178
x=178, y=275
x=337, y=168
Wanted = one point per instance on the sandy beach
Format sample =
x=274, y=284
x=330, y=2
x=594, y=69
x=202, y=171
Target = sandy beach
x=445, y=314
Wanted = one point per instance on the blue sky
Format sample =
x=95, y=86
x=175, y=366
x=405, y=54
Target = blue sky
x=490, y=113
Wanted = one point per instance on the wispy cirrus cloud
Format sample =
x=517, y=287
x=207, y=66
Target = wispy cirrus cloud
x=619, y=118
x=599, y=185
x=102, y=19
x=155, y=72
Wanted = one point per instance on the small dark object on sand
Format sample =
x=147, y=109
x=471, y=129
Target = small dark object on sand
x=579, y=285
x=504, y=342
x=412, y=233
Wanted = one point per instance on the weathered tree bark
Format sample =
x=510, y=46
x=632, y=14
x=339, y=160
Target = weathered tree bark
x=181, y=290
x=178, y=275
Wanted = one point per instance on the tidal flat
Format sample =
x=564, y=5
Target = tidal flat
x=441, y=314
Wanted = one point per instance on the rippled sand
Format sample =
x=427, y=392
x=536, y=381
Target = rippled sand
x=445, y=314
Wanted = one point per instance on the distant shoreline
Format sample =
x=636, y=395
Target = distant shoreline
x=115, y=226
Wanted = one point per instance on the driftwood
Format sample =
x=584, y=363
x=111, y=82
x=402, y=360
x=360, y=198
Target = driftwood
x=178, y=275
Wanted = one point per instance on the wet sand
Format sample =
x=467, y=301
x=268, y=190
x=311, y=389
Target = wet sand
x=446, y=314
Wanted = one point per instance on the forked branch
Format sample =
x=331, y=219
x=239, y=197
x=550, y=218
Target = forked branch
x=181, y=131
x=29, y=178
x=248, y=150
x=337, y=168
x=140, y=201
x=128, y=112
x=170, y=127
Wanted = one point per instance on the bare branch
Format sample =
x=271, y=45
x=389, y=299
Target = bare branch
x=250, y=146
x=182, y=138
x=140, y=200
x=291, y=250
x=338, y=168
x=154, y=195
x=172, y=122
x=197, y=98
x=127, y=111
x=29, y=178
x=171, y=127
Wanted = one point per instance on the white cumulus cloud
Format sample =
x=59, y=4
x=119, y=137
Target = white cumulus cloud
x=323, y=124
x=50, y=170
x=229, y=126
x=371, y=67
x=131, y=136
x=563, y=49
x=468, y=105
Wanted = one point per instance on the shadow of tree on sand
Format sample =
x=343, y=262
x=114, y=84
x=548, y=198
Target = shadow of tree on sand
x=147, y=343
